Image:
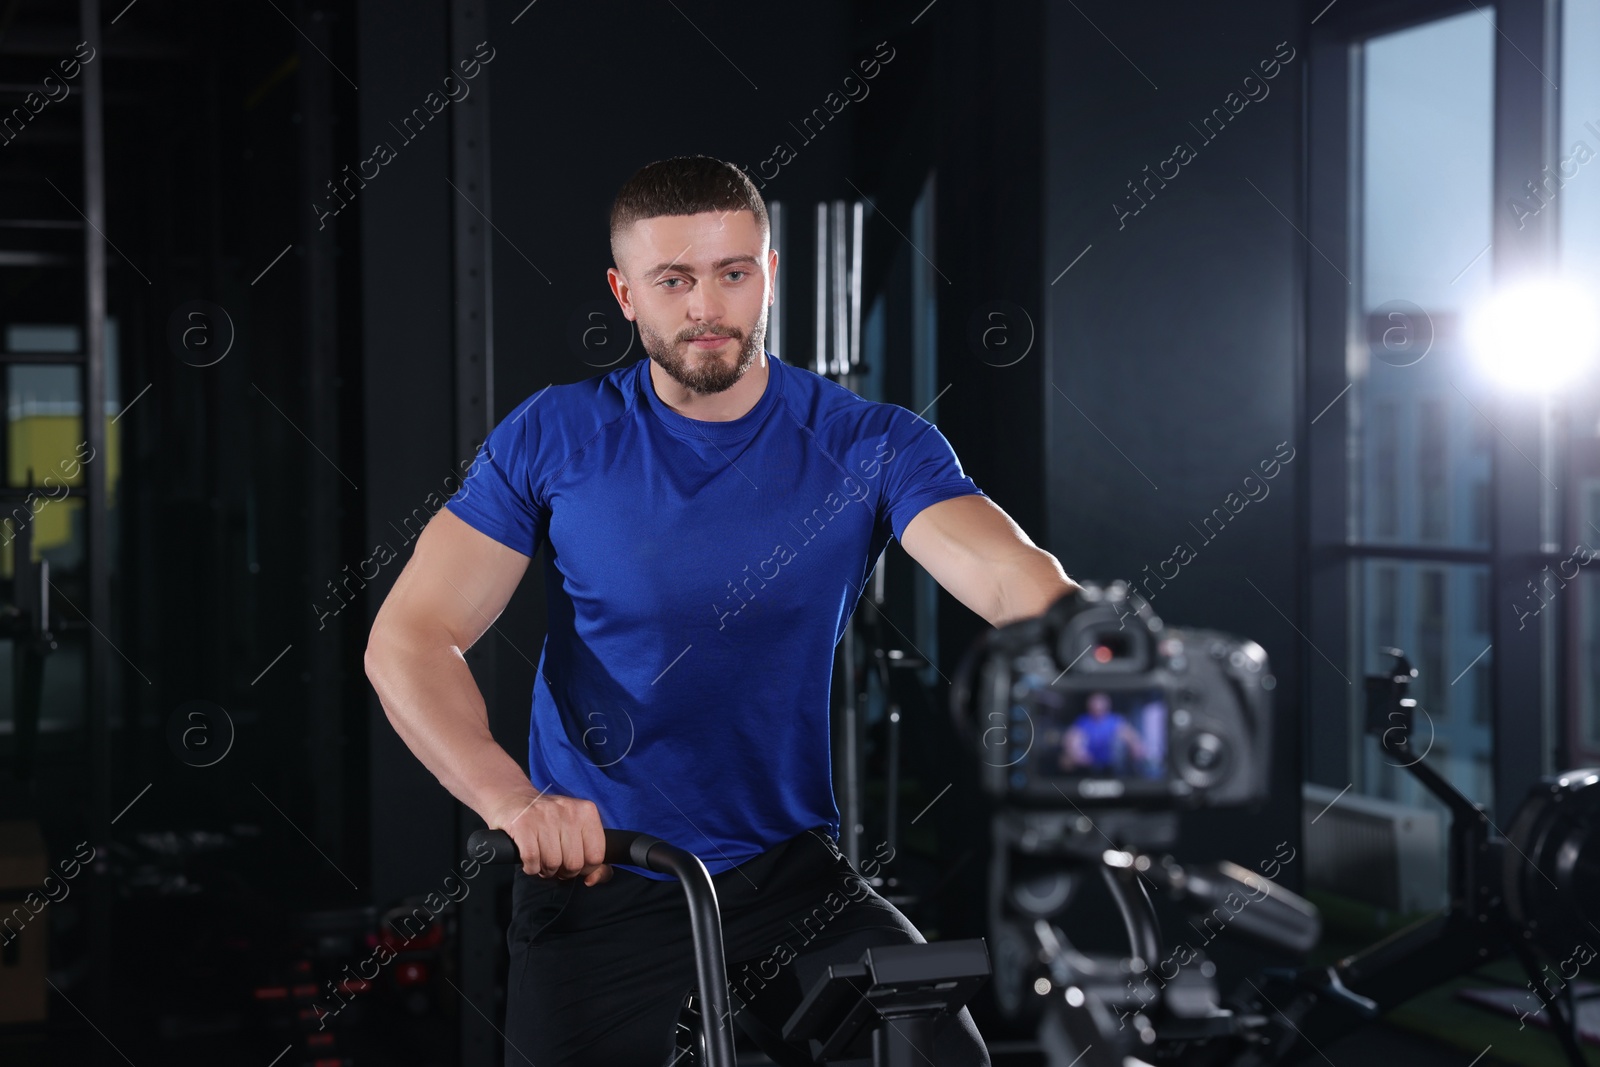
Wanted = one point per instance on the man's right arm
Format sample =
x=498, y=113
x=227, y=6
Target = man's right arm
x=455, y=585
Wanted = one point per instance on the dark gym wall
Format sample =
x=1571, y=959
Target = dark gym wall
x=977, y=122
x=409, y=382
x=1174, y=343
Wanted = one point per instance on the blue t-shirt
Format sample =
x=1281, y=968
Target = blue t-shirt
x=1103, y=739
x=698, y=578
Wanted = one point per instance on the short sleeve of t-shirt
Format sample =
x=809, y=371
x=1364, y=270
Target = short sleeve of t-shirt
x=922, y=470
x=499, y=496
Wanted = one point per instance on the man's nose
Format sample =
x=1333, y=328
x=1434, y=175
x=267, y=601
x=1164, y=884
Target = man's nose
x=706, y=305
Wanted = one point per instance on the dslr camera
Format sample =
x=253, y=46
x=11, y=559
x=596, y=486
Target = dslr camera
x=1095, y=726
x=1096, y=703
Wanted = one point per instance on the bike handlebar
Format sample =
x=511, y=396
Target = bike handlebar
x=705, y=921
x=632, y=847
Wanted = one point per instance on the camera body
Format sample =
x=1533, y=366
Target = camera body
x=1099, y=704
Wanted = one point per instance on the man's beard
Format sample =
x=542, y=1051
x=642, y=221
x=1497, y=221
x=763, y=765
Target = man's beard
x=702, y=372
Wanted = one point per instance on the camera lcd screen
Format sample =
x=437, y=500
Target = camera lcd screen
x=1104, y=734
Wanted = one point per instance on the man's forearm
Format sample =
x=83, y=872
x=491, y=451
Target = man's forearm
x=428, y=692
x=1028, y=584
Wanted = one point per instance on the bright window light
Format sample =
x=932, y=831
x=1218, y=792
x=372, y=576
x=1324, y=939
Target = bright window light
x=1536, y=336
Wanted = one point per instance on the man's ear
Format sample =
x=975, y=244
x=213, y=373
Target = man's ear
x=620, y=286
x=622, y=291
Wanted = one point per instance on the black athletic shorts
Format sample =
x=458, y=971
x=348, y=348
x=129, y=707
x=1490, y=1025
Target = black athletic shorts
x=599, y=973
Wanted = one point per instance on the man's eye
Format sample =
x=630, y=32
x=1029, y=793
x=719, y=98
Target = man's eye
x=731, y=273
x=664, y=282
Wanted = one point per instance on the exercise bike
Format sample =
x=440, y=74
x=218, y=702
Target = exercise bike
x=884, y=1005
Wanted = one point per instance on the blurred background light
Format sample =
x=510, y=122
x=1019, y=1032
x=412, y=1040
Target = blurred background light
x=1536, y=336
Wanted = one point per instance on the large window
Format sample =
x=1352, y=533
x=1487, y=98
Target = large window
x=1575, y=197
x=1421, y=206
x=1454, y=154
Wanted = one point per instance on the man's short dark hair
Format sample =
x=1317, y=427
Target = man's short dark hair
x=684, y=185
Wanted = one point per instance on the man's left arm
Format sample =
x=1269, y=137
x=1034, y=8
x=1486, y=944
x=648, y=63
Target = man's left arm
x=984, y=559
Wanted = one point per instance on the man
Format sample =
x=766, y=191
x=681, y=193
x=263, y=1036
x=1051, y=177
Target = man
x=710, y=515
x=1101, y=740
